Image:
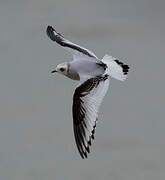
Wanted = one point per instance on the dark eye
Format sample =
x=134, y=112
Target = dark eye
x=62, y=69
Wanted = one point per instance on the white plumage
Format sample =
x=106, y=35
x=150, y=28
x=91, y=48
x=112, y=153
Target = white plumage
x=114, y=69
x=94, y=75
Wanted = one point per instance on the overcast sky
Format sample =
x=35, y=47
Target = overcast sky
x=36, y=135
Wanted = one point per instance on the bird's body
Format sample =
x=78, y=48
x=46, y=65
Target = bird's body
x=94, y=75
x=86, y=66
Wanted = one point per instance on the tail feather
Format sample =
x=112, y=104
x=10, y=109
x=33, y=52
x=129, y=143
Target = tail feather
x=116, y=69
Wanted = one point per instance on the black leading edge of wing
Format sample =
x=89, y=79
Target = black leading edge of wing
x=57, y=37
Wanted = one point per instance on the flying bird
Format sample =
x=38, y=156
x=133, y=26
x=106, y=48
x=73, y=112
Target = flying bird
x=93, y=75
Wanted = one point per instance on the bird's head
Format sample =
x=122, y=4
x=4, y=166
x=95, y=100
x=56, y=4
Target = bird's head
x=61, y=68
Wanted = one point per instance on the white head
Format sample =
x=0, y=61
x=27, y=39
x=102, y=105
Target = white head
x=62, y=68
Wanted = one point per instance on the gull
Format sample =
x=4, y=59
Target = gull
x=93, y=75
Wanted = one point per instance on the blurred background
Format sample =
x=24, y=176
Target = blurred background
x=36, y=136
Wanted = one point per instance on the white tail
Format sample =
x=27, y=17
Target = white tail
x=116, y=69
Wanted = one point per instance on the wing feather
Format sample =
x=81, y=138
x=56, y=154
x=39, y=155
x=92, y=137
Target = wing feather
x=74, y=49
x=86, y=101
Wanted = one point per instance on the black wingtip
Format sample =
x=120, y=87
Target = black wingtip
x=50, y=28
x=49, y=32
x=85, y=154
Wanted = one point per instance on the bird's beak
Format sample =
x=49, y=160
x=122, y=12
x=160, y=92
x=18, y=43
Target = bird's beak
x=54, y=71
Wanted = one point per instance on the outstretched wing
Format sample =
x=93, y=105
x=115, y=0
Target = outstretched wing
x=86, y=101
x=74, y=49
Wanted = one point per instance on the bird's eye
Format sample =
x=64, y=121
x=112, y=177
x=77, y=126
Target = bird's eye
x=62, y=69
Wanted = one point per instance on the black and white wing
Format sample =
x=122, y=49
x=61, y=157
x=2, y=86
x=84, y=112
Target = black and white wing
x=74, y=49
x=86, y=101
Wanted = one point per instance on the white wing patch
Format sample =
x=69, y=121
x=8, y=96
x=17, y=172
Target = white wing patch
x=74, y=49
x=86, y=102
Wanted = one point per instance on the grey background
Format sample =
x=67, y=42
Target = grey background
x=36, y=137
